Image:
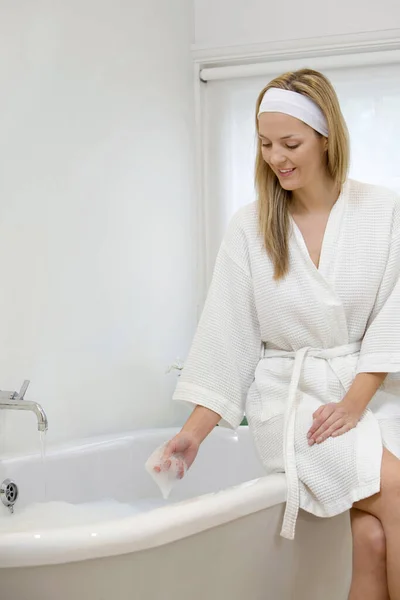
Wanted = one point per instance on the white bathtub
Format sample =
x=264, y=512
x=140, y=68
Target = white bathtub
x=216, y=539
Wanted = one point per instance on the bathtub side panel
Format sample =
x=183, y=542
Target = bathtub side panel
x=242, y=559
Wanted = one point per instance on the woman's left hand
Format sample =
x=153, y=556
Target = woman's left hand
x=331, y=420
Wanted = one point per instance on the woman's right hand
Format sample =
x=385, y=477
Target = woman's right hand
x=184, y=446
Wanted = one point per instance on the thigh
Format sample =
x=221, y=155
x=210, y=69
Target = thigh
x=381, y=504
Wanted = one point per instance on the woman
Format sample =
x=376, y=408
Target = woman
x=301, y=330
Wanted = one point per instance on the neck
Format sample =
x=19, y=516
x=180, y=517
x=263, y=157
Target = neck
x=318, y=197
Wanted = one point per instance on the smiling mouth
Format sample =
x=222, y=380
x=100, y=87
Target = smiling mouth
x=286, y=172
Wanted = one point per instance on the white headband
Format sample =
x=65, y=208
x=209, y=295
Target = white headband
x=296, y=105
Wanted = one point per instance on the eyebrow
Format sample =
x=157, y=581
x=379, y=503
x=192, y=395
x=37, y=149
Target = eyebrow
x=285, y=137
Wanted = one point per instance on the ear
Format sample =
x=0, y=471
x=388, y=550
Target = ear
x=325, y=146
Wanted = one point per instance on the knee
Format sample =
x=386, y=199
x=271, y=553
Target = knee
x=369, y=537
x=375, y=541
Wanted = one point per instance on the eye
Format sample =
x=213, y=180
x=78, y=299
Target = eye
x=292, y=147
x=266, y=145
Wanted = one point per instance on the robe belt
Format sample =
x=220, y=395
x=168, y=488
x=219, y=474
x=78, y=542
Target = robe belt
x=293, y=501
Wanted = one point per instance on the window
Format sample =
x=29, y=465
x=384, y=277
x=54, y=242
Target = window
x=370, y=101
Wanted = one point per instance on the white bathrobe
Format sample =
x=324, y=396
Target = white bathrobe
x=278, y=350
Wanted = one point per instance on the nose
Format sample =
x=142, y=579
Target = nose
x=277, y=158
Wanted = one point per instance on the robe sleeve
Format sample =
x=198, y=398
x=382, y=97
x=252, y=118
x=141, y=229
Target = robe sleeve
x=226, y=348
x=380, y=349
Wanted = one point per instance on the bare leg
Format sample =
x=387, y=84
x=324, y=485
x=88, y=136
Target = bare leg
x=369, y=580
x=385, y=506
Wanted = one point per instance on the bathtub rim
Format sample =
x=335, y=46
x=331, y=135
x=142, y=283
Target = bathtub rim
x=142, y=531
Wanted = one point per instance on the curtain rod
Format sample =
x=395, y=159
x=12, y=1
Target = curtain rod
x=361, y=59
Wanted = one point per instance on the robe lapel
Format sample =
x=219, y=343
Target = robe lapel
x=323, y=277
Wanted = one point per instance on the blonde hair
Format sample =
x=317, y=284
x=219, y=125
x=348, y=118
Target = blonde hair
x=273, y=200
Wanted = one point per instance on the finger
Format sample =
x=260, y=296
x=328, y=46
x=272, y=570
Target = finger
x=334, y=418
x=330, y=421
x=166, y=465
x=323, y=409
x=325, y=413
x=163, y=465
x=169, y=449
x=165, y=459
x=181, y=468
x=330, y=431
x=344, y=429
x=168, y=452
x=318, y=411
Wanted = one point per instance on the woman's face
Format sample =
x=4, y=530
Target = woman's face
x=294, y=151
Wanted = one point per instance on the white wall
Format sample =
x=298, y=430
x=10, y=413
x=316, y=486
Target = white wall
x=97, y=212
x=236, y=22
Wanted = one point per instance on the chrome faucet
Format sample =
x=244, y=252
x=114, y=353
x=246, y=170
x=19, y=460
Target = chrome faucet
x=15, y=401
